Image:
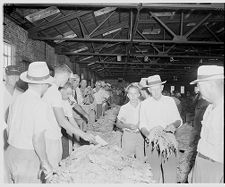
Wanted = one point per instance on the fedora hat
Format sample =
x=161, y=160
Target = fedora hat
x=143, y=82
x=154, y=80
x=209, y=72
x=38, y=73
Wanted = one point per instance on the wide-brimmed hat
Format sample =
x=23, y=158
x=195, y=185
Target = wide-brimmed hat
x=38, y=73
x=154, y=80
x=143, y=82
x=13, y=70
x=209, y=72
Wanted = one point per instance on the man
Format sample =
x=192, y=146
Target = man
x=100, y=97
x=209, y=163
x=66, y=92
x=77, y=94
x=77, y=101
x=27, y=124
x=159, y=110
x=12, y=73
x=57, y=117
x=128, y=121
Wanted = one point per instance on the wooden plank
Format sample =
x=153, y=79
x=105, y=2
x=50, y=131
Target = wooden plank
x=42, y=14
x=57, y=22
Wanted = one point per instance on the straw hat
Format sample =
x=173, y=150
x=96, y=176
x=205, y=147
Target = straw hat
x=143, y=82
x=38, y=73
x=154, y=80
x=209, y=72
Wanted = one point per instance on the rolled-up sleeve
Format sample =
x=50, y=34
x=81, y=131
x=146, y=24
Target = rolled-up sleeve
x=121, y=116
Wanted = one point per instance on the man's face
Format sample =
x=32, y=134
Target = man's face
x=75, y=83
x=156, y=91
x=133, y=94
x=83, y=83
x=64, y=77
x=66, y=93
x=12, y=79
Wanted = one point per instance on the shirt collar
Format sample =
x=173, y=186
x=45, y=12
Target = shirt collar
x=30, y=91
x=136, y=106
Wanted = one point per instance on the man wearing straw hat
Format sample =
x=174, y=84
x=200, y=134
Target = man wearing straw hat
x=57, y=117
x=159, y=110
x=209, y=163
x=27, y=124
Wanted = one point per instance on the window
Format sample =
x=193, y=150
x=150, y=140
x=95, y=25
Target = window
x=172, y=88
x=182, y=89
x=8, y=55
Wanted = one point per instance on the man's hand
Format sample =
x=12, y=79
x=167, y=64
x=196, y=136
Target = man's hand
x=170, y=128
x=90, y=138
x=47, y=169
x=133, y=127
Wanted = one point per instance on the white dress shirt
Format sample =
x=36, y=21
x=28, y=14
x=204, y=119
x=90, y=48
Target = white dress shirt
x=129, y=114
x=53, y=98
x=211, y=143
x=27, y=116
x=101, y=96
x=158, y=112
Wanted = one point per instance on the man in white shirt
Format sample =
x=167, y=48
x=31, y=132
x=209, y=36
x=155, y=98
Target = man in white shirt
x=10, y=91
x=159, y=110
x=128, y=121
x=57, y=117
x=100, y=96
x=209, y=163
x=27, y=124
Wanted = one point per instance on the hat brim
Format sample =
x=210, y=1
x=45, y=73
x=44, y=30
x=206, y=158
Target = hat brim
x=24, y=78
x=207, y=79
x=148, y=86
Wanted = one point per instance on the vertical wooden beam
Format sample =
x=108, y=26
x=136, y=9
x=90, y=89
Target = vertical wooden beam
x=181, y=23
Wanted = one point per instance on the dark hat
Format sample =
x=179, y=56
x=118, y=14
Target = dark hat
x=13, y=70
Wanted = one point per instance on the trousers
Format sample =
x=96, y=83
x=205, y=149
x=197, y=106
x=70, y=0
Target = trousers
x=21, y=166
x=133, y=144
x=206, y=171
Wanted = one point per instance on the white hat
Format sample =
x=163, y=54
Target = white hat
x=209, y=72
x=74, y=76
x=154, y=80
x=143, y=82
x=38, y=73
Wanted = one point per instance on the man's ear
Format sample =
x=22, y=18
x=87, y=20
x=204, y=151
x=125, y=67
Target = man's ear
x=162, y=86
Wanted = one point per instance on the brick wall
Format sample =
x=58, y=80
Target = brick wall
x=31, y=50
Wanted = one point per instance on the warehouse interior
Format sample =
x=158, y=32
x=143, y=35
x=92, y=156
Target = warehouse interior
x=126, y=41
x=118, y=44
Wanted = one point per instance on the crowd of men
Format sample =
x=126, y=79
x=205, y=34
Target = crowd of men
x=48, y=120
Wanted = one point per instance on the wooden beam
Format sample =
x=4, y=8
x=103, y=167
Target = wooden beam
x=127, y=41
x=212, y=33
x=57, y=22
x=170, y=6
x=101, y=23
x=163, y=24
x=197, y=26
x=138, y=55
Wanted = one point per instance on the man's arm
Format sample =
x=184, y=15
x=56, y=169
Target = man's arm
x=145, y=132
x=122, y=125
x=40, y=148
x=63, y=122
x=78, y=108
